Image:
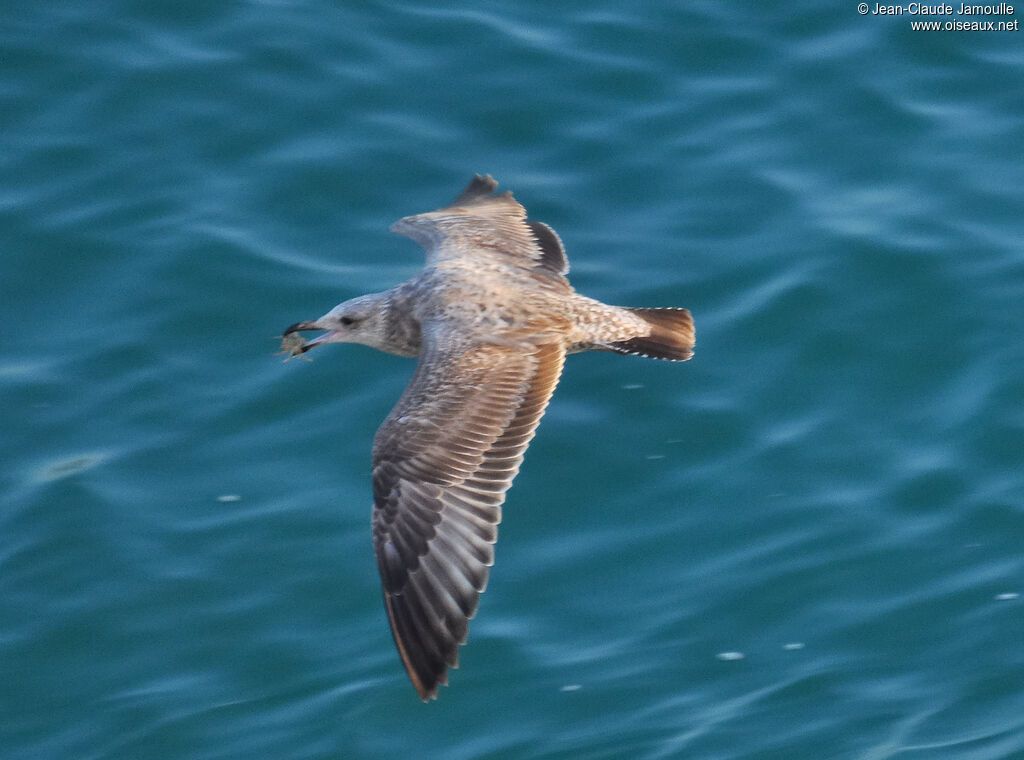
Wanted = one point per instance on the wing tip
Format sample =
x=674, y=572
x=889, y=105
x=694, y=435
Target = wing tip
x=552, y=250
x=480, y=187
x=426, y=688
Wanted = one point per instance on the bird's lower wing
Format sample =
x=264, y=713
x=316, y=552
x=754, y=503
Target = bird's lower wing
x=442, y=462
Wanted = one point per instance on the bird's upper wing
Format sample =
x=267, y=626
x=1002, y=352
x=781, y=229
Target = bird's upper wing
x=480, y=224
x=442, y=462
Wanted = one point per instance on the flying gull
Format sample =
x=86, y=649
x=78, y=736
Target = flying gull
x=491, y=318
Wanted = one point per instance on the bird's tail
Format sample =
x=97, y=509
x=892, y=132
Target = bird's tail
x=671, y=337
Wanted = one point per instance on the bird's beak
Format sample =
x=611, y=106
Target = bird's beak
x=302, y=348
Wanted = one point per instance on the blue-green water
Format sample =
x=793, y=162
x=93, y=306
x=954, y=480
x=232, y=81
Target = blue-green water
x=805, y=543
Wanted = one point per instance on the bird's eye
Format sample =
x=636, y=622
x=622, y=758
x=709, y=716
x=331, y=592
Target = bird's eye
x=347, y=321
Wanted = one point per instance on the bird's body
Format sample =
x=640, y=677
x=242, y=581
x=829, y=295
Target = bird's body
x=491, y=318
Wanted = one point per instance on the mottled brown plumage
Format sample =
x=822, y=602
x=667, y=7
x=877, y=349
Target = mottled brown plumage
x=491, y=318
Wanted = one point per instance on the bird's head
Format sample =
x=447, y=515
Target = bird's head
x=358, y=320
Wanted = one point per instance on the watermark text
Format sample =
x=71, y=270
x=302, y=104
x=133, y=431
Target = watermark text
x=959, y=17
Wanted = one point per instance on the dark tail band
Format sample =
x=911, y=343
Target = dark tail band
x=672, y=336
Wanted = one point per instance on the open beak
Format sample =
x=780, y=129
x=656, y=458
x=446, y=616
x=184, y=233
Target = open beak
x=297, y=348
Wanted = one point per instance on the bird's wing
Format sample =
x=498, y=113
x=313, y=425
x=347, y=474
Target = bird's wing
x=442, y=462
x=479, y=224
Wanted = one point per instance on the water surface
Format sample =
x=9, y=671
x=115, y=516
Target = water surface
x=804, y=543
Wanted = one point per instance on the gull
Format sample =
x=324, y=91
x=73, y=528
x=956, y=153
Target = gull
x=491, y=318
